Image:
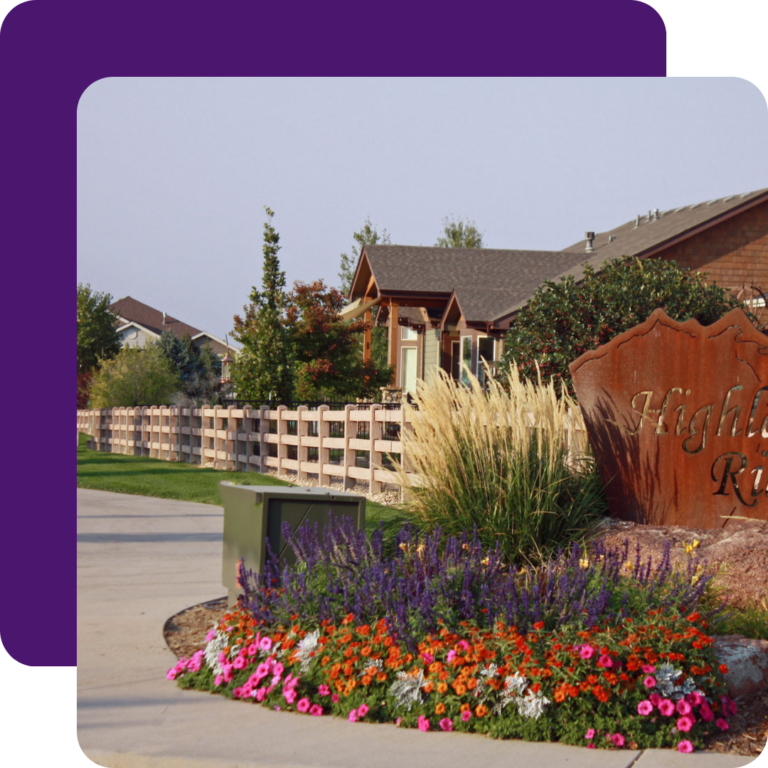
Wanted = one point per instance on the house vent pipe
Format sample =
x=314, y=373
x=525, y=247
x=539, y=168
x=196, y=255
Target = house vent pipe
x=637, y=221
x=590, y=238
x=163, y=318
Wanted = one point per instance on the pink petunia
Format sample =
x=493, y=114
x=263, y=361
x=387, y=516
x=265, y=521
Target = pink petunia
x=303, y=705
x=171, y=674
x=398, y=721
x=733, y=708
x=218, y=680
x=261, y=694
x=237, y=693
x=353, y=716
x=590, y=745
x=446, y=724
x=722, y=724
x=705, y=713
x=466, y=716
x=590, y=734
x=428, y=657
x=685, y=723
x=587, y=652
x=649, y=682
x=463, y=645
x=335, y=698
x=666, y=707
x=290, y=695
x=265, y=644
x=685, y=746
x=323, y=690
x=240, y=662
x=278, y=669
x=644, y=707
x=362, y=710
x=683, y=707
x=655, y=699
x=253, y=649
x=451, y=656
x=423, y=723
x=315, y=710
x=605, y=661
x=648, y=669
x=210, y=635
x=695, y=699
x=618, y=739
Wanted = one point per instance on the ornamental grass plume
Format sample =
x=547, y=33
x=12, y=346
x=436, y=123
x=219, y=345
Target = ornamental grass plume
x=511, y=462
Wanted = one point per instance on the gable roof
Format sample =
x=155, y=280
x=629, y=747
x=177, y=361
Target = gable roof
x=131, y=310
x=646, y=235
x=485, y=280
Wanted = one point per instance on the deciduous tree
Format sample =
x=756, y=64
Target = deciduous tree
x=97, y=337
x=459, y=234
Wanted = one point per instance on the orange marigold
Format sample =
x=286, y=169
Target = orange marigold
x=366, y=680
x=442, y=687
x=481, y=710
x=440, y=708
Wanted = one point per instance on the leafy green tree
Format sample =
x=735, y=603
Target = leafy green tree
x=97, y=337
x=134, y=377
x=563, y=320
x=263, y=370
x=459, y=234
x=367, y=235
x=326, y=349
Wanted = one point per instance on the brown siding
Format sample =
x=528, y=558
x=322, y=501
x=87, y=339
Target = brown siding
x=733, y=254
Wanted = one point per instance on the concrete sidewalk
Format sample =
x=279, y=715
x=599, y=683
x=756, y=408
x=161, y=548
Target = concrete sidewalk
x=141, y=560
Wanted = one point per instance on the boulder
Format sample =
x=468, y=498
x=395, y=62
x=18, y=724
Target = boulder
x=747, y=662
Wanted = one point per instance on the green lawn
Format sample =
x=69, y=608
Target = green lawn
x=170, y=480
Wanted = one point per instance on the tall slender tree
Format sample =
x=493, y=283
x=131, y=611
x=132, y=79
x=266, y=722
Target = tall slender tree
x=262, y=370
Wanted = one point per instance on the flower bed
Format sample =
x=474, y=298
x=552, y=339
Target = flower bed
x=618, y=672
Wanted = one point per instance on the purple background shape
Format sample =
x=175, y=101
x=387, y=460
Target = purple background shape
x=52, y=50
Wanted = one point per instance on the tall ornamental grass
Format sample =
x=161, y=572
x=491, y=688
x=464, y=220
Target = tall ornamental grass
x=511, y=463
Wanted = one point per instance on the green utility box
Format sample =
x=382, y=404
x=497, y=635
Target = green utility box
x=254, y=514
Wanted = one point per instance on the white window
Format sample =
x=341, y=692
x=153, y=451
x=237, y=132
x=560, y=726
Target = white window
x=408, y=334
x=486, y=350
x=409, y=356
x=466, y=358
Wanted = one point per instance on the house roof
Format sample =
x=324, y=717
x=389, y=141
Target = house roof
x=132, y=310
x=485, y=279
x=648, y=235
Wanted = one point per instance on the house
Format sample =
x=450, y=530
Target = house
x=448, y=306
x=140, y=323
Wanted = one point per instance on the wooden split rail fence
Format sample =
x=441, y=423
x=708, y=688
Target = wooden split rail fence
x=349, y=446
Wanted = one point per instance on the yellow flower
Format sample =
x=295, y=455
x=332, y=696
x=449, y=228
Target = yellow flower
x=584, y=563
x=628, y=565
x=485, y=561
x=420, y=550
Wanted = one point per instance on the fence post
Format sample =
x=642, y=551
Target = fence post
x=323, y=457
x=281, y=430
x=301, y=431
x=374, y=456
x=263, y=444
x=347, y=481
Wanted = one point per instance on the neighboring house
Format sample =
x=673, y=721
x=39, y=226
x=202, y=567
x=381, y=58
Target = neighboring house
x=445, y=306
x=140, y=323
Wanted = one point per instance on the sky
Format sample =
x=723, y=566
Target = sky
x=174, y=174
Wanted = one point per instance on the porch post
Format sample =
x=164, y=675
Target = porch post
x=394, y=327
x=367, y=336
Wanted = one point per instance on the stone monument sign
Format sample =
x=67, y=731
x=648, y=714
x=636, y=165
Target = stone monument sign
x=677, y=416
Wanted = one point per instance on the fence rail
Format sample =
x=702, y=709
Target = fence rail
x=350, y=445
